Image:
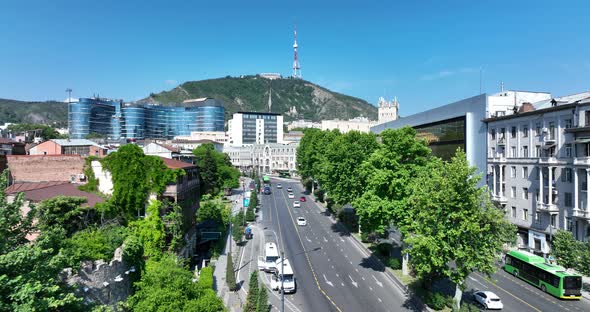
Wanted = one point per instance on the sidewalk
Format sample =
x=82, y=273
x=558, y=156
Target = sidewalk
x=586, y=287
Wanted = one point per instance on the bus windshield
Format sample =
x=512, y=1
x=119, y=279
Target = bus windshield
x=572, y=282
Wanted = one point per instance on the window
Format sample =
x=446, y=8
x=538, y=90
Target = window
x=537, y=128
x=513, y=132
x=513, y=212
x=566, y=175
x=525, y=193
x=502, y=133
x=525, y=151
x=568, y=123
x=513, y=171
x=525, y=131
x=493, y=134
x=537, y=196
x=525, y=214
x=553, y=220
x=568, y=199
x=493, y=152
x=552, y=130
x=568, y=223
x=567, y=148
x=537, y=217
x=525, y=172
x=513, y=192
x=538, y=173
x=513, y=152
x=537, y=151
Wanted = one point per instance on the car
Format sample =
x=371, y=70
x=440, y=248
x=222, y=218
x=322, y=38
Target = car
x=289, y=189
x=279, y=186
x=302, y=199
x=291, y=195
x=301, y=221
x=296, y=204
x=488, y=300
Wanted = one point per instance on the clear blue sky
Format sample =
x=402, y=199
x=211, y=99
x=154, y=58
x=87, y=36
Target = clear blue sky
x=427, y=53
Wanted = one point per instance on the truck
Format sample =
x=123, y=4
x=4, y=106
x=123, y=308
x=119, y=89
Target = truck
x=283, y=278
x=268, y=262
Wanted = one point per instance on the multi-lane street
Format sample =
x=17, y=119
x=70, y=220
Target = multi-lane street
x=333, y=273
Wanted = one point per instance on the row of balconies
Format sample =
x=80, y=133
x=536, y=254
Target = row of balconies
x=578, y=161
x=550, y=208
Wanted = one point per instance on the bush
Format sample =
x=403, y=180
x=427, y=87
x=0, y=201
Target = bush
x=436, y=301
x=394, y=263
x=206, y=278
x=94, y=244
x=468, y=307
x=319, y=195
x=384, y=249
x=230, y=277
x=449, y=302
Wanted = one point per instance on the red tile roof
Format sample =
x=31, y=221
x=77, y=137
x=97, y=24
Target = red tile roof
x=36, y=192
x=176, y=164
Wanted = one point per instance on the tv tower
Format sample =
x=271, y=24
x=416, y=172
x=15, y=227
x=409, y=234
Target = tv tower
x=296, y=66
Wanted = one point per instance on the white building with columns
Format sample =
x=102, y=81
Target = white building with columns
x=539, y=168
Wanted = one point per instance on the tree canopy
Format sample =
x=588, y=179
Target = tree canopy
x=215, y=169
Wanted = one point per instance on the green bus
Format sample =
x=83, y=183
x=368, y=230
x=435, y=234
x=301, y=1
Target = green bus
x=550, y=278
x=266, y=179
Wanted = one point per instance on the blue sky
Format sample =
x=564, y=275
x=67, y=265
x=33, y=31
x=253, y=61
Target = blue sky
x=427, y=53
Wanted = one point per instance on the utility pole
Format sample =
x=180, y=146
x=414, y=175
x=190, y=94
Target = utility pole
x=282, y=280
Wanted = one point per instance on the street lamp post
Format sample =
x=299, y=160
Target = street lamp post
x=282, y=281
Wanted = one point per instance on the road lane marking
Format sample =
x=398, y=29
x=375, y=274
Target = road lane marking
x=379, y=299
x=325, y=240
x=371, y=288
x=377, y=281
x=337, y=275
x=353, y=282
x=515, y=297
x=327, y=281
x=309, y=240
x=363, y=278
x=357, y=270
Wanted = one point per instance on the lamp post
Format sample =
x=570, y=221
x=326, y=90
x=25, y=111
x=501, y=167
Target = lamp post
x=282, y=281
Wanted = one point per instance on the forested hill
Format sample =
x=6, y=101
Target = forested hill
x=294, y=98
x=47, y=113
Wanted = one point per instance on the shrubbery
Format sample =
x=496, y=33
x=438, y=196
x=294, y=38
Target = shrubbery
x=436, y=300
x=94, y=244
x=394, y=263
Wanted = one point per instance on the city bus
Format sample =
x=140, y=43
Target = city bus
x=550, y=278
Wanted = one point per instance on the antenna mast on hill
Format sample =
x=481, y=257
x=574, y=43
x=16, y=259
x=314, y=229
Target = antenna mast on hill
x=296, y=66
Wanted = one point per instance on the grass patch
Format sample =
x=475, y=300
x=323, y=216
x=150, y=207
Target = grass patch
x=405, y=279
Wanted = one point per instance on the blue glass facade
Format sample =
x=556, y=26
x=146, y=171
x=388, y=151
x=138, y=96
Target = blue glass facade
x=155, y=121
x=94, y=116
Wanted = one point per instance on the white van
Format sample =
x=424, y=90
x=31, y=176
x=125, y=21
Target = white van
x=284, y=275
x=267, y=263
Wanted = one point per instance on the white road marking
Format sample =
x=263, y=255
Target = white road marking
x=363, y=278
x=471, y=278
x=342, y=239
x=332, y=267
x=337, y=275
x=325, y=240
x=371, y=288
x=327, y=281
x=309, y=240
x=377, y=281
x=353, y=282
x=379, y=299
x=357, y=270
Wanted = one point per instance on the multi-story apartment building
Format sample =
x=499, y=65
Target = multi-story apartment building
x=264, y=158
x=539, y=168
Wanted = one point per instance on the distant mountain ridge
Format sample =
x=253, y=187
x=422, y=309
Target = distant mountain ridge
x=48, y=113
x=294, y=98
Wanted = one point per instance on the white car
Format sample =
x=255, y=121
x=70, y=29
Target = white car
x=291, y=195
x=296, y=204
x=279, y=186
x=488, y=299
x=301, y=221
x=289, y=189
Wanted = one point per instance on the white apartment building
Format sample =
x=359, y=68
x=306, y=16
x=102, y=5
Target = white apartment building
x=215, y=136
x=362, y=124
x=303, y=124
x=539, y=168
x=264, y=158
x=255, y=128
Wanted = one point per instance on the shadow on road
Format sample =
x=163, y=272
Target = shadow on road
x=372, y=263
x=413, y=304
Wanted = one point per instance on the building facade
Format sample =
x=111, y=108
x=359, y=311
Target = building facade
x=361, y=124
x=255, y=128
x=264, y=158
x=80, y=147
x=388, y=111
x=115, y=120
x=539, y=169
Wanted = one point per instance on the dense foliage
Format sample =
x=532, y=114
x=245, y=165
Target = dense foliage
x=14, y=225
x=230, y=275
x=94, y=244
x=215, y=169
x=135, y=175
x=151, y=231
x=250, y=93
x=253, y=293
x=571, y=253
x=91, y=181
x=214, y=210
x=65, y=212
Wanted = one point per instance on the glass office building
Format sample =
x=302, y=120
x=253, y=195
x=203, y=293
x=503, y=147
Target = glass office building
x=444, y=137
x=94, y=115
x=139, y=121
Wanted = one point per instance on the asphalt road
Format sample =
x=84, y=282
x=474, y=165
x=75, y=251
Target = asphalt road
x=333, y=273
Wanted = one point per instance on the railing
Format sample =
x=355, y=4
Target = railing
x=547, y=207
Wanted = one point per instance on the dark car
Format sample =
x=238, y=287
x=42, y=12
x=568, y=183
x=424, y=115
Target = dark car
x=302, y=199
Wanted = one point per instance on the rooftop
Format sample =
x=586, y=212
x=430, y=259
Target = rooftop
x=39, y=191
x=177, y=164
x=74, y=142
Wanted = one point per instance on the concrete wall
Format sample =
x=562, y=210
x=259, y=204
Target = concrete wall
x=104, y=177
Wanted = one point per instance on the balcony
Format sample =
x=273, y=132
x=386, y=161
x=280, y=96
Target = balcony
x=582, y=161
x=501, y=141
x=548, y=161
x=551, y=208
x=581, y=214
x=500, y=199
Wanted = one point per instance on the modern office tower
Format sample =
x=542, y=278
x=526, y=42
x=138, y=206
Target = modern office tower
x=134, y=122
x=95, y=115
x=255, y=128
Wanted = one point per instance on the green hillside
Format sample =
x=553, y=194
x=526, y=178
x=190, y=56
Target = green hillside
x=294, y=98
x=47, y=113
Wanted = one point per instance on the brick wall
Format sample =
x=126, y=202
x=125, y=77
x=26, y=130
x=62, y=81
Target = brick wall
x=43, y=168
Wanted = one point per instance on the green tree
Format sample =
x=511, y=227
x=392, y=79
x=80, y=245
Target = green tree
x=211, y=209
x=230, y=277
x=206, y=278
x=262, y=304
x=43, y=131
x=388, y=172
x=14, y=225
x=93, y=244
x=566, y=249
x=65, y=212
x=311, y=151
x=451, y=226
x=215, y=169
x=253, y=292
x=237, y=227
x=151, y=231
x=135, y=176
x=583, y=265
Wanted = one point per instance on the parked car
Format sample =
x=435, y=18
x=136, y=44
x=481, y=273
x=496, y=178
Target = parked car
x=289, y=189
x=488, y=299
x=296, y=204
x=279, y=186
x=301, y=221
x=302, y=199
x=291, y=195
